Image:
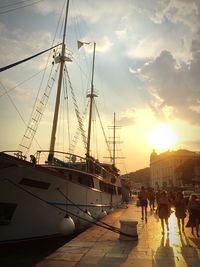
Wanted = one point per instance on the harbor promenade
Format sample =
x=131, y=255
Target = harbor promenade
x=100, y=247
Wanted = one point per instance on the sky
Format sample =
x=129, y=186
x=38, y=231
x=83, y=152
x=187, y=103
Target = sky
x=146, y=72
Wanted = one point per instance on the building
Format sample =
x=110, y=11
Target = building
x=163, y=167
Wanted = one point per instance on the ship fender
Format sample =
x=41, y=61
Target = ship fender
x=102, y=214
x=87, y=218
x=67, y=226
x=110, y=210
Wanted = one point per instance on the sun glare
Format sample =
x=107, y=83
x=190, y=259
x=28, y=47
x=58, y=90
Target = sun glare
x=162, y=137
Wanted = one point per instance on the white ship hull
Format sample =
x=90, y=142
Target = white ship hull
x=33, y=202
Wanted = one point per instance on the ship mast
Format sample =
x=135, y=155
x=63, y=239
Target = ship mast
x=57, y=104
x=91, y=96
x=114, y=141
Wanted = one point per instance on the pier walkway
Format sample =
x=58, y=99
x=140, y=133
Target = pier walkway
x=100, y=247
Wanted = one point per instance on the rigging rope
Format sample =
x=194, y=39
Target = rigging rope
x=28, y=79
x=20, y=7
x=26, y=59
x=9, y=97
x=80, y=122
x=66, y=98
x=13, y=103
x=76, y=136
x=14, y=4
x=37, y=114
x=107, y=143
x=44, y=95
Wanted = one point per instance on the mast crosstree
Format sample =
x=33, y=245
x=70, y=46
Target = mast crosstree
x=114, y=142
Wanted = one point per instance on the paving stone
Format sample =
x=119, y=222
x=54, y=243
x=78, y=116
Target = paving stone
x=59, y=263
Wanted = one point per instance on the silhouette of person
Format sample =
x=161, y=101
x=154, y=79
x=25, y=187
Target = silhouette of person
x=143, y=196
x=194, y=214
x=33, y=159
x=180, y=210
x=164, y=211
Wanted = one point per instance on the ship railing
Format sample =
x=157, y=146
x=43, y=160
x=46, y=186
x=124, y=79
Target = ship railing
x=59, y=158
x=73, y=161
x=94, y=166
x=17, y=153
x=69, y=160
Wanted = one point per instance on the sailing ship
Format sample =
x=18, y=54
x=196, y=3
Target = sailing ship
x=56, y=192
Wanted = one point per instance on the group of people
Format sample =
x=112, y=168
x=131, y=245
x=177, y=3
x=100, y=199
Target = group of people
x=164, y=202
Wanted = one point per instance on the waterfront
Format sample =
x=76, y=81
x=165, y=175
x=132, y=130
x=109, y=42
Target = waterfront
x=99, y=247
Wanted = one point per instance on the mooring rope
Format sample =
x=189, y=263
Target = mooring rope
x=78, y=207
x=115, y=230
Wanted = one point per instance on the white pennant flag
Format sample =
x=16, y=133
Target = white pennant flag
x=80, y=44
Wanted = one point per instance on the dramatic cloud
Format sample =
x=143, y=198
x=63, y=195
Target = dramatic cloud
x=148, y=57
x=175, y=85
x=178, y=11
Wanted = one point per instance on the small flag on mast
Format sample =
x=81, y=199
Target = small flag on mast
x=80, y=44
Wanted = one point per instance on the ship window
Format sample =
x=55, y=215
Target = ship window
x=6, y=212
x=102, y=186
x=97, y=169
x=108, y=188
x=119, y=191
x=34, y=183
x=113, y=190
x=86, y=180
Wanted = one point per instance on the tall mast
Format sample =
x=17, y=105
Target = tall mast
x=91, y=96
x=114, y=141
x=62, y=62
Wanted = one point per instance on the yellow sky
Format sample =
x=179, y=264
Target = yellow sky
x=146, y=71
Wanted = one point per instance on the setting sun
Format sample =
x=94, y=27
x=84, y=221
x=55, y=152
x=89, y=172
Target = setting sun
x=162, y=137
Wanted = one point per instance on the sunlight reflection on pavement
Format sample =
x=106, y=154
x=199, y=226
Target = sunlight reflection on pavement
x=174, y=248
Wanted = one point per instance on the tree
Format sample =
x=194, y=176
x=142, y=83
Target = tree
x=186, y=171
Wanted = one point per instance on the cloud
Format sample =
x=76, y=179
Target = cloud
x=127, y=118
x=162, y=25
x=161, y=32
x=126, y=121
x=47, y=7
x=121, y=34
x=178, y=11
x=173, y=85
x=191, y=143
x=102, y=45
x=22, y=44
x=19, y=91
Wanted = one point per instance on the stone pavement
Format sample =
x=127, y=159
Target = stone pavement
x=100, y=247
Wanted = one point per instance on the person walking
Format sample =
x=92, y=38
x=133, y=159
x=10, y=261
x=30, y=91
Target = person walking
x=164, y=211
x=194, y=214
x=158, y=193
x=143, y=197
x=152, y=198
x=180, y=210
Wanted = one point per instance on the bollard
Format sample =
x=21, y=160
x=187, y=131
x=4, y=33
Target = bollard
x=129, y=227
